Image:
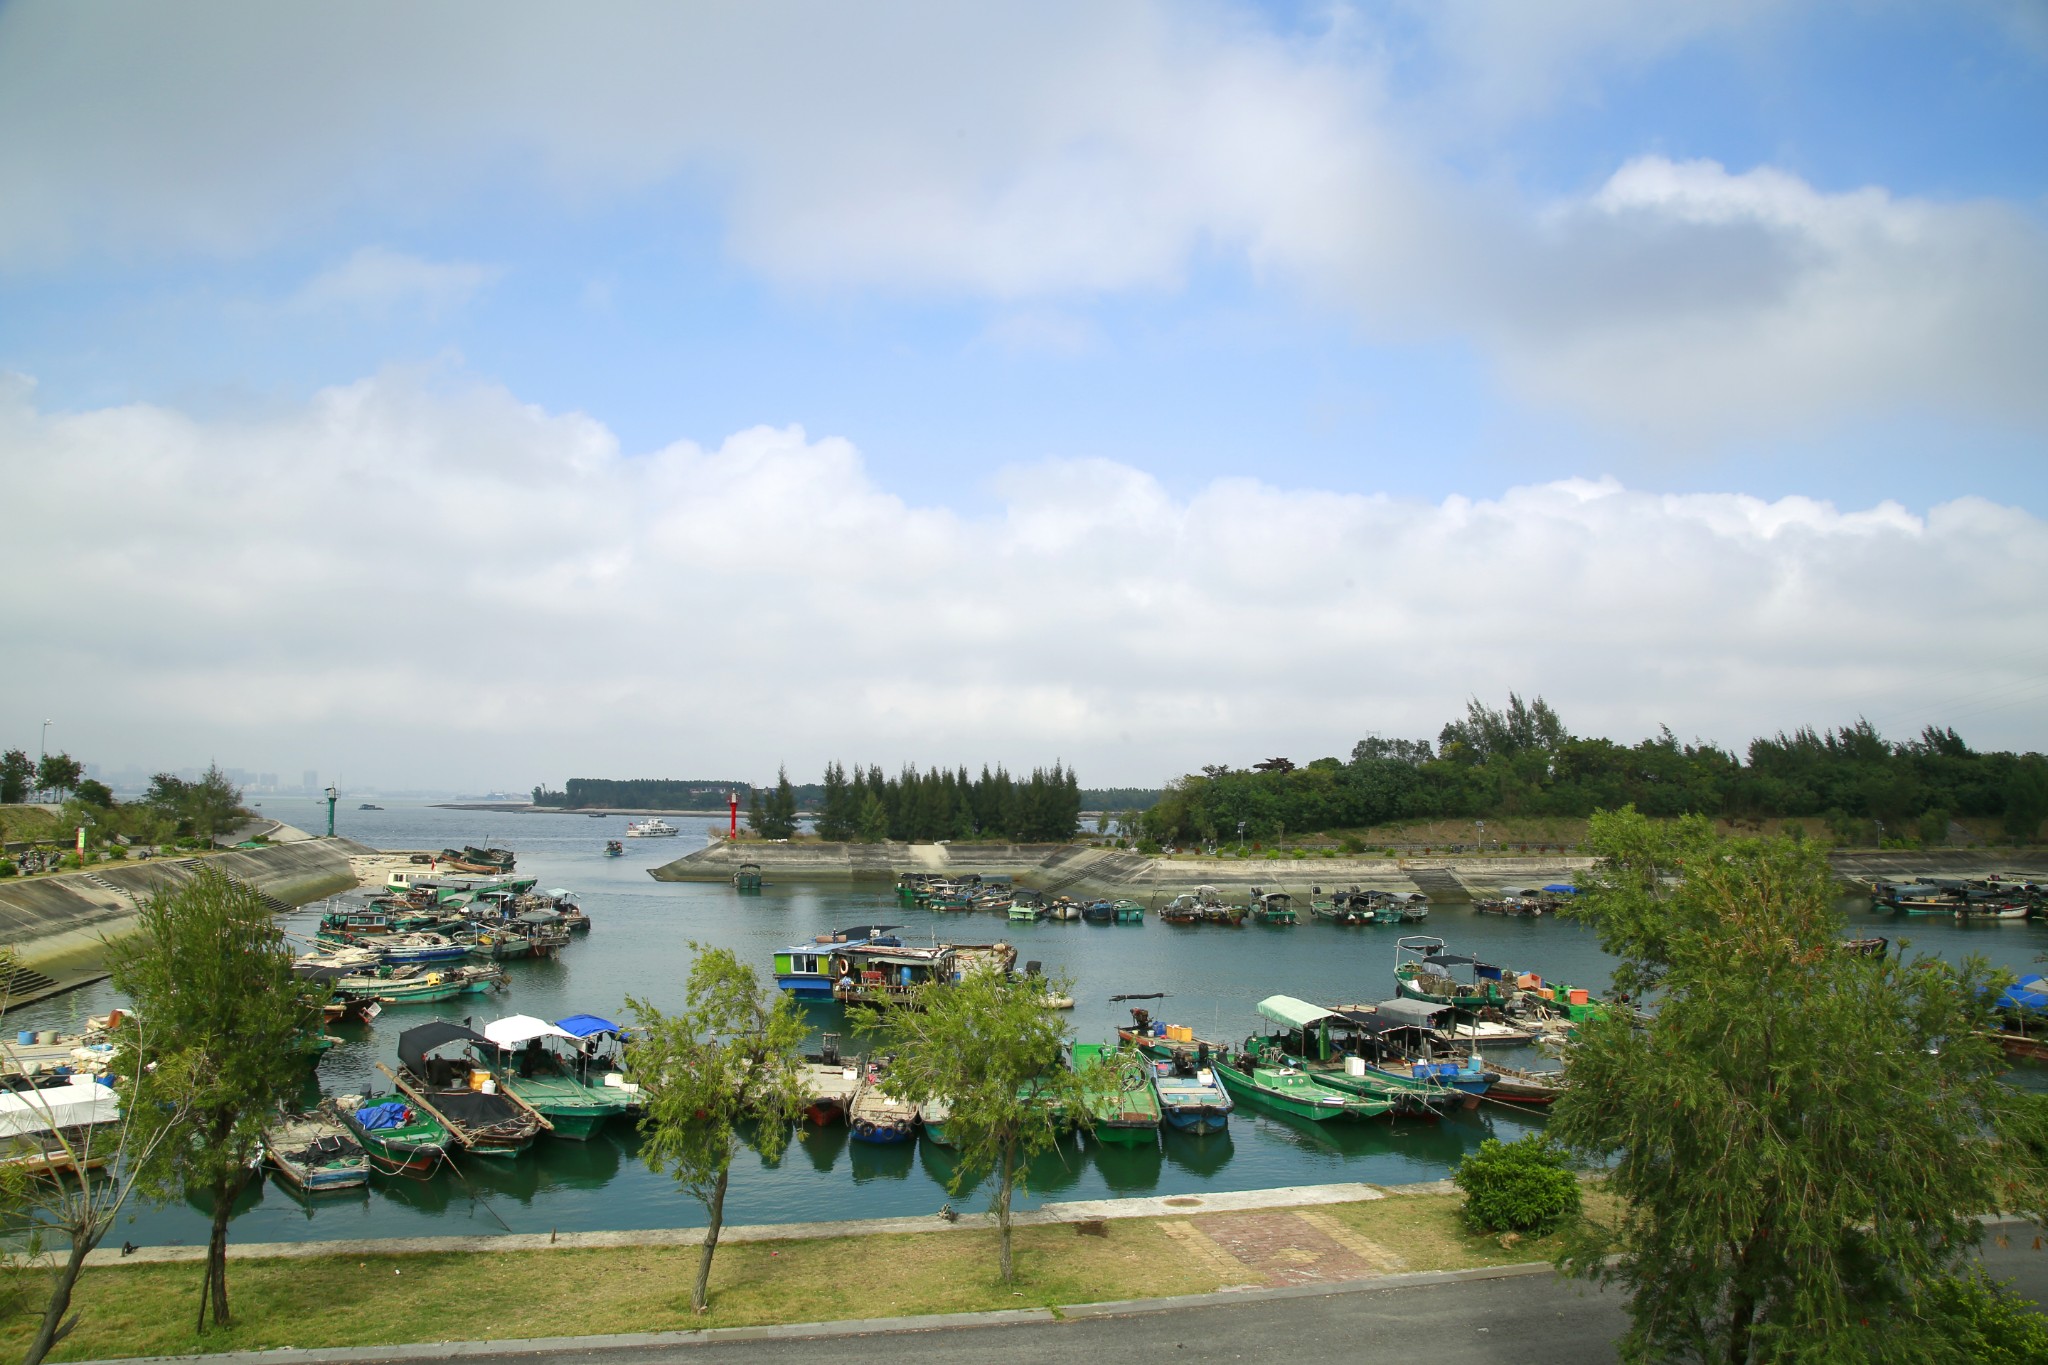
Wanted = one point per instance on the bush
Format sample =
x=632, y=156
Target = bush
x=1521, y=1186
x=1987, y=1324
x=6, y=867
x=1149, y=847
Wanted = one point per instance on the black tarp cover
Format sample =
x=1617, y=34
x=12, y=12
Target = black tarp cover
x=473, y=1108
x=415, y=1043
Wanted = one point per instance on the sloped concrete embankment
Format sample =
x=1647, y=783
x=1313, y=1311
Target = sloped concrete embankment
x=58, y=925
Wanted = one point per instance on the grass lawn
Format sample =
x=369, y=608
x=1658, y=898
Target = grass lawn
x=365, y=1301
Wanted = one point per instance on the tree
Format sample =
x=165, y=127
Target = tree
x=988, y=1046
x=1801, y=1136
x=64, y=1200
x=213, y=804
x=727, y=1069
x=58, y=773
x=16, y=773
x=93, y=792
x=211, y=975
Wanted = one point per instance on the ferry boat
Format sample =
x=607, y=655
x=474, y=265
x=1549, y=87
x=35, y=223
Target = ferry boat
x=653, y=827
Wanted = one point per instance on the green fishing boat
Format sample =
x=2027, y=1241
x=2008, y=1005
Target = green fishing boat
x=1122, y=1105
x=549, y=1082
x=934, y=1114
x=1285, y=1090
x=397, y=1135
x=1127, y=912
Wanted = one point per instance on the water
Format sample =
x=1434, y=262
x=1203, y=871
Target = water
x=640, y=946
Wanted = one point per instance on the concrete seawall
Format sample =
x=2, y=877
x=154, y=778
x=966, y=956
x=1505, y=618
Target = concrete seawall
x=1086, y=869
x=58, y=925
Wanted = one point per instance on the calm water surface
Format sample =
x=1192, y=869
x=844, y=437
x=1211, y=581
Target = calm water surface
x=639, y=946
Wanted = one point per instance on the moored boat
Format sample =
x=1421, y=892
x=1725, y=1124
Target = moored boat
x=653, y=827
x=874, y=1115
x=747, y=877
x=315, y=1152
x=1287, y=1090
x=1190, y=1098
x=463, y=1097
x=549, y=1082
x=1122, y=1105
x=397, y=1136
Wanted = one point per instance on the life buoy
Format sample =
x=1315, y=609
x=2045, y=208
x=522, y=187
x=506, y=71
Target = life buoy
x=433, y=978
x=841, y=967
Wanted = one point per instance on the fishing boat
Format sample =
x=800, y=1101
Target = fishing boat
x=806, y=970
x=1423, y=970
x=1028, y=911
x=1358, y=1050
x=1272, y=907
x=614, y=849
x=316, y=1152
x=1122, y=1105
x=396, y=1135
x=369, y=806
x=934, y=1115
x=406, y=950
x=465, y=1098
x=747, y=877
x=1515, y=1085
x=1127, y=912
x=653, y=827
x=50, y=1124
x=829, y=1081
x=498, y=941
x=1095, y=911
x=874, y=1115
x=1350, y=908
x=552, y=1082
x=1287, y=1090
x=876, y=974
x=1190, y=1099
x=417, y=985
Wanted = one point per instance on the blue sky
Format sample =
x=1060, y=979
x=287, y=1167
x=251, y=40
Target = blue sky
x=1429, y=254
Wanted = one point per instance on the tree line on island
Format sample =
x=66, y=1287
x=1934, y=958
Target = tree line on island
x=869, y=806
x=1522, y=761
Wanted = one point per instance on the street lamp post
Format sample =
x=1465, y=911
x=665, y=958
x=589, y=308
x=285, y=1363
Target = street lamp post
x=1481, y=825
x=1240, y=838
x=42, y=753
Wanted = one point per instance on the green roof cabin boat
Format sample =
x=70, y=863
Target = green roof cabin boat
x=1363, y=1050
x=1286, y=1090
x=747, y=877
x=1122, y=1105
x=481, y=1119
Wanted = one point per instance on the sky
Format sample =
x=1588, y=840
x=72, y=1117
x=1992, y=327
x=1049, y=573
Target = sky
x=489, y=394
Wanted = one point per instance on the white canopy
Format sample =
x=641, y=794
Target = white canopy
x=81, y=1102
x=521, y=1028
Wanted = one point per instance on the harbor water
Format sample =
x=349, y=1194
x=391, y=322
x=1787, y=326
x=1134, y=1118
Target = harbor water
x=640, y=946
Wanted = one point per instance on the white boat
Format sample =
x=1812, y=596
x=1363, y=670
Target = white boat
x=653, y=827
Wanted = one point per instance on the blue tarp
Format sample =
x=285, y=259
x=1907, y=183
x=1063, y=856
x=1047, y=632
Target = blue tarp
x=583, y=1025
x=2028, y=993
x=1562, y=888
x=376, y=1116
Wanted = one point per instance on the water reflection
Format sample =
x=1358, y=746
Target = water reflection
x=1202, y=1154
x=823, y=1145
x=1130, y=1169
x=872, y=1161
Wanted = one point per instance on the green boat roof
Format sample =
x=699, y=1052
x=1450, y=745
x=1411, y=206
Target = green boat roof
x=1285, y=1009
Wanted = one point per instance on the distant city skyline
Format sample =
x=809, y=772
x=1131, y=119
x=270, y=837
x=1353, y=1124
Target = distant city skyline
x=492, y=394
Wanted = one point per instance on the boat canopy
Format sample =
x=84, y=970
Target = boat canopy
x=1417, y=1012
x=2028, y=993
x=561, y=892
x=415, y=1043
x=539, y=917
x=76, y=1104
x=1514, y=892
x=1562, y=889
x=585, y=1025
x=1285, y=1009
x=521, y=1028
x=1448, y=960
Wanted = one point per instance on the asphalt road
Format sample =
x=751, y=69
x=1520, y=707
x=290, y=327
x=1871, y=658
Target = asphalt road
x=1526, y=1319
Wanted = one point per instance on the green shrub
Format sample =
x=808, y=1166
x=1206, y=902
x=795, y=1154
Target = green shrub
x=1149, y=847
x=6, y=867
x=1351, y=843
x=1522, y=1186
x=1987, y=1324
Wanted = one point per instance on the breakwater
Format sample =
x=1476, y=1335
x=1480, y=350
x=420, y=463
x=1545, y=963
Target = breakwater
x=1089, y=869
x=58, y=926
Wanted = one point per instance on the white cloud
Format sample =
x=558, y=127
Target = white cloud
x=443, y=583
x=377, y=280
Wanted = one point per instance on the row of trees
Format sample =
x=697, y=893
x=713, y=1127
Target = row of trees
x=641, y=793
x=21, y=777
x=869, y=807
x=1521, y=760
